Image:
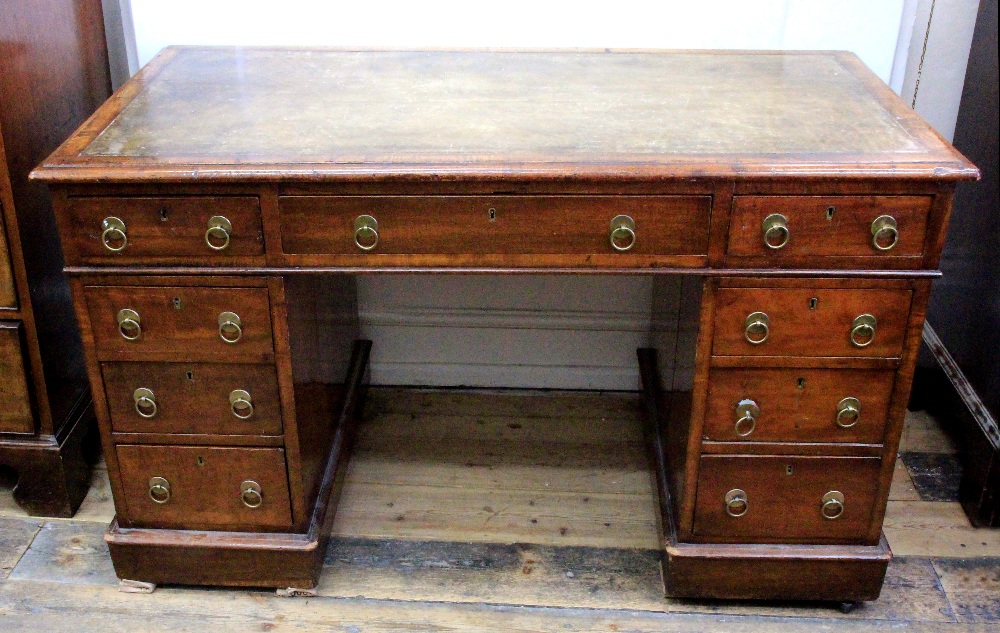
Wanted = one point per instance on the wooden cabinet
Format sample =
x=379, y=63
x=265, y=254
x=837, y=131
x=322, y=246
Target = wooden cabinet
x=775, y=391
x=53, y=75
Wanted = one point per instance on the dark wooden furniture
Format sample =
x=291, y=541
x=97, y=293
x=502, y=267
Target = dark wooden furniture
x=238, y=190
x=961, y=386
x=53, y=74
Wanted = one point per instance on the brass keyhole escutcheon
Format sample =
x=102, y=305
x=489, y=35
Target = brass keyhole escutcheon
x=829, y=212
x=813, y=302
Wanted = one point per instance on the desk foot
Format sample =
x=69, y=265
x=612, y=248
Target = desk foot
x=135, y=586
x=847, y=607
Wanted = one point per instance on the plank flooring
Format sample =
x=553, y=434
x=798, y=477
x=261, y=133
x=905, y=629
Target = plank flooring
x=499, y=511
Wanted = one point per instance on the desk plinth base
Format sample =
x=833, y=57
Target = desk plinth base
x=248, y=559
x=838, y=573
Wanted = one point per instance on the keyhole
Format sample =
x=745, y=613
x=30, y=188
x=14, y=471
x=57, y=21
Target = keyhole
x=163, y=215
x=201, y=461
x=190, y=376
x=788, y=469
x=493, y=215
x=177, y=303
x=800, y=383
x=829, y=212
x=813, y=302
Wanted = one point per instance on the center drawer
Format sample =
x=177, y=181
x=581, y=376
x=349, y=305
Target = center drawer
x=205, y=487
x=196, y=398
x=506, y=225
x=195, y=323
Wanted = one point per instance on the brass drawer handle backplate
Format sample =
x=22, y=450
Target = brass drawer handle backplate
x=756, y=328
x=230, y=327
x=145, y=402
x=848, y=412
x=747, y=413
x=218, y=233
x=885, y=233
x=863, y=330
x=776, y=232
x=250, y=494
x=113, y=236
x=622, y=234
x=833, y=505
x=129, y=325
x=241, y=404
x=736, y=503
x=159, y=490
x=366, y=232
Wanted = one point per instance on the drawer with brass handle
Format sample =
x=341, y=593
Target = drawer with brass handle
x=164, y=229
x=196, y=323
x=495, y=225
x=193, y=398
x=797, y=405
x=793, y=499
x=205, y=487
x=858, y=322
x=797, y=227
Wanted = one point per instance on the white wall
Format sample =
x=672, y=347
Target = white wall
x=528, y=331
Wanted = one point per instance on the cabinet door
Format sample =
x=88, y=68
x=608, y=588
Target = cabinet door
x=15, y=401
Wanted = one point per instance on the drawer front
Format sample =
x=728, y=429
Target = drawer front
x=198, y=398
x=810, y=322
x=826, y=226
x=180, y=320
x=510, y=225
x=202, y=487
x=784, y=498
x=8, y=298
x=15, y=396
x=159, y=229
x=798, y=405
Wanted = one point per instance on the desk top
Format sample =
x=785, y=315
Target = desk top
x=265, y=113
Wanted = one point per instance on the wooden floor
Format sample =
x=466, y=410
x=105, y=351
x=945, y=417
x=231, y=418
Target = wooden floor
x=499, y=512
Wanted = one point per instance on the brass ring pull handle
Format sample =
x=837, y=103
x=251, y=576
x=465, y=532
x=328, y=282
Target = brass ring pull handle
x=145, y=402
x=776, y=233
x=622, y=234
x=848, y=412
x=833, y=505
x=230, y=327
x=885, y=234
x=241, y=404
x=159, y=490
x=250, y=494
x=113, y=235
x=366, y=232
x=863, y=330
x=747, y=413
x=129, y=325
x=736, y=503
x=220, y=229
x=756, y=328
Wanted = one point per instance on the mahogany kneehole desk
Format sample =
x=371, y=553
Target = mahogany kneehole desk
x=789, y=207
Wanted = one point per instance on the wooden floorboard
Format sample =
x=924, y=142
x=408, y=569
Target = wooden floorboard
x=502, y=511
